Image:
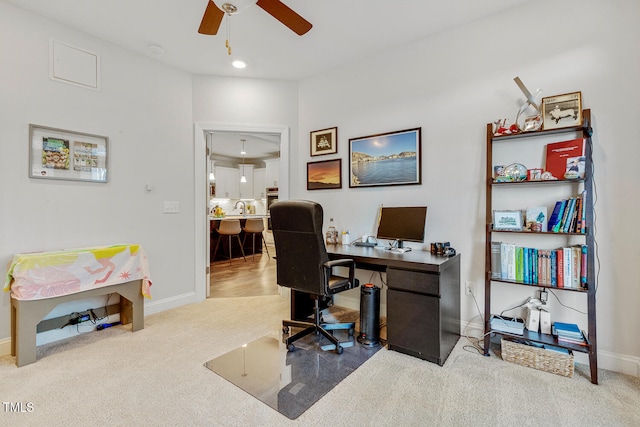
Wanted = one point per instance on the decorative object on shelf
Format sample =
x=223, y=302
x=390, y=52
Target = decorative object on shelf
x=501, y=127
x=532, y=121
x=498, y=173
x=63, y=154
x=324, y=175
x=507, y=220
x=516, y=172
x=534, y=174
x=562, y=111
x=536, y=218
x=392, y=158
x=324, y=141
x=547, y=176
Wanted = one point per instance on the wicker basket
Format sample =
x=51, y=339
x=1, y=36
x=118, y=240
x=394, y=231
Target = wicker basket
x=538, y=358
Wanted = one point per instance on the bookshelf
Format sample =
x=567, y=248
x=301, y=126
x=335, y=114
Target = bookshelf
x=543, y=192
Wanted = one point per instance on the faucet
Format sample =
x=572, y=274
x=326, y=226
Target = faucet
x=243, y=211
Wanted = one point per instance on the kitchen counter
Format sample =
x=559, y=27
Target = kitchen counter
x=223, y=250
x=213, y=218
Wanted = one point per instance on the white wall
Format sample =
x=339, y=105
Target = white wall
x=145, y=110
x=454, y=83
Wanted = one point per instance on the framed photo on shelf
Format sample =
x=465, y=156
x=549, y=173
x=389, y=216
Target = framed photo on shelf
x=324, y=175
x=562, y=111
x=507, y=220
x=64, y=154
x=324, y=141
x=392, y=158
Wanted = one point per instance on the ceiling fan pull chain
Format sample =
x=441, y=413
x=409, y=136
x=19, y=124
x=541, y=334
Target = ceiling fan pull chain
x=228, y=44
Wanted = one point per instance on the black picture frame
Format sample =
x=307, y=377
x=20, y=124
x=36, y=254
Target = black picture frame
x=324, y=175
x=392, y=158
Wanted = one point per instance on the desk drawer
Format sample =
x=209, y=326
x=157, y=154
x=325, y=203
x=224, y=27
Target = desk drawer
x=413, y=281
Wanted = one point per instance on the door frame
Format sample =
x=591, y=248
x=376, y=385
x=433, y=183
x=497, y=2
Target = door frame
x=201, y=185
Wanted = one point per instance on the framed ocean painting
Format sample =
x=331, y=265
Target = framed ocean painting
x=392, y=158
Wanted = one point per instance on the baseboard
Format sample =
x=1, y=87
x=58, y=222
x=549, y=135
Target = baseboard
x=5, y=346
x=628, y=365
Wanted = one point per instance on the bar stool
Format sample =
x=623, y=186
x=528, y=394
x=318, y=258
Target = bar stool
x=254, y=226
x=229, y=227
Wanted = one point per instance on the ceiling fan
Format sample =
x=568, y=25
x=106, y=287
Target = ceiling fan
x=213, y=15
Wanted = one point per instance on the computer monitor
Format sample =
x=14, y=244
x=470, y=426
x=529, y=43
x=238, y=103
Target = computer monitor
x=406, y=223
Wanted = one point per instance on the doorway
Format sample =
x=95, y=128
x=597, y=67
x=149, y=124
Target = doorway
x=201, y=179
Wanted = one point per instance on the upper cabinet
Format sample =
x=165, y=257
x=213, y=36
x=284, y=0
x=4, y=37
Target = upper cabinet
x=272, y=172
x=259, y=186
x=227, y=183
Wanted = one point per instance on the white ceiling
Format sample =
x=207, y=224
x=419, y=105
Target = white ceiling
x=343, y=30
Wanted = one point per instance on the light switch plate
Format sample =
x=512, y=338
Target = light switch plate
x=171, y=207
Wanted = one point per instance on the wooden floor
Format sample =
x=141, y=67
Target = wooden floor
x=255, y=277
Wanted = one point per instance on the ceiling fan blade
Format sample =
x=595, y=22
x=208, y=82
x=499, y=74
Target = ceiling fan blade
x=286, y=15
x=211, y=20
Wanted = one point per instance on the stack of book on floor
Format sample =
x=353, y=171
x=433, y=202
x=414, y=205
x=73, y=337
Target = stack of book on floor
x=568, y=333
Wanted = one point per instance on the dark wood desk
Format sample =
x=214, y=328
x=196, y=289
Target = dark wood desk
x=423, y=299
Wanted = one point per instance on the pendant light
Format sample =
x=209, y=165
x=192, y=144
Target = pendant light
x=243, y=178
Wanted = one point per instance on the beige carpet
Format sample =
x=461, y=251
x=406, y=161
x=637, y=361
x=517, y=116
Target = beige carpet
x=156, y=377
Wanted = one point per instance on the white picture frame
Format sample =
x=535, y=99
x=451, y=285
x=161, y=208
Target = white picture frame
x=67, y=155
x=507, y=220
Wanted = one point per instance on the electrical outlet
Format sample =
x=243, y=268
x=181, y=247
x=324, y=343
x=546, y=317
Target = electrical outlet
x=469, y=288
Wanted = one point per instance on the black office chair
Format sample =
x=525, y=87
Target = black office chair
x=303, y=265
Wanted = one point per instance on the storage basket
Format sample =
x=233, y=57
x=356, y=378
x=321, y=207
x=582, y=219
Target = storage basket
x=538, y=358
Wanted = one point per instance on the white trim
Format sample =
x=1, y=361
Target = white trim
x=200, y=180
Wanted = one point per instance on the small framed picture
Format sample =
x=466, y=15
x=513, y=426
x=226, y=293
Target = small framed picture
x=324, y=141
x=507, y=220
x=562, y=111
x=534, y=174
x=69, y=155
x=324, y=175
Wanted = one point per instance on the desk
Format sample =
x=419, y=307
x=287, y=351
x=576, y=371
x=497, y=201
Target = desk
x=423, y=299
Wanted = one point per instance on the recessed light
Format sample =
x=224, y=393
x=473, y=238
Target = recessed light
x=239, y=63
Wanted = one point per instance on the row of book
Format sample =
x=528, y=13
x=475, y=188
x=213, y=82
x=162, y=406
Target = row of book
x=562, y=268
x=569, y=216
x=568, y=333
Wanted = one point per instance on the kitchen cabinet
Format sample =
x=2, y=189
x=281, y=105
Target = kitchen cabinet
x=227, y=183
x=259, y=186
x=272, y=172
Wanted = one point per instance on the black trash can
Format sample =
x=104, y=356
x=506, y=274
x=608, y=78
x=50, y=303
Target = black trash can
x=369, y=315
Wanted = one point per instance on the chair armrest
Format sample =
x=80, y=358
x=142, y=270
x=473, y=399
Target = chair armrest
x=349, y=263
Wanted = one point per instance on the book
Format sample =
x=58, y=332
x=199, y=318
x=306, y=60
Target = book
x=570, y=330
x=554, y=268
x=496, y=265
x=503, y=261
x=511, y=261
x=583, y=269
x=557, y=212
x=519, y=264
x=568, y=268
x=560, y=268
x=566, y=223
x=558, y=223
x=576, y=265
x=561, y=156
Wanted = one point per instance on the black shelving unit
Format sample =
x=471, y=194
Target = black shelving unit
x=587, y=185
